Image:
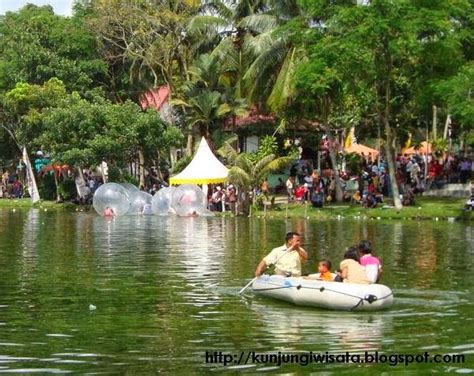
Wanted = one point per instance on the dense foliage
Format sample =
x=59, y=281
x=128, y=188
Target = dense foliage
x=71, y=85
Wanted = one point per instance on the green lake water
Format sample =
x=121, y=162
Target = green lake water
x=165, y=292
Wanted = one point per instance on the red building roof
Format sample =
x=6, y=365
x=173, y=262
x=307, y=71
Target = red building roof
x=155, y=98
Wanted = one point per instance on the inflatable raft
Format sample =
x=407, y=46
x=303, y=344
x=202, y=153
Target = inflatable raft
x=331, y=295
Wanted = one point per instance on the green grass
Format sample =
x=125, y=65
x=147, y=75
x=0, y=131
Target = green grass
x=42, y=204
x=425, y=208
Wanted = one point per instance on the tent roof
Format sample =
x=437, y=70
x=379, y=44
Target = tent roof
x=205, y=168
x=359, y=149
x=425, y=148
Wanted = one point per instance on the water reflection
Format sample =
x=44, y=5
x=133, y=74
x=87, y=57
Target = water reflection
x=333, y=331
x=166, y=291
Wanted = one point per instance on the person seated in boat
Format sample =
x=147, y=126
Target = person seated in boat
x=109, y=212
x=351, y=270
x=373, y=266
x=287, y=259
x=324, y=269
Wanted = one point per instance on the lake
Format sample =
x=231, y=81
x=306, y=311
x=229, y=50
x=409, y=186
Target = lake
x=146, y=295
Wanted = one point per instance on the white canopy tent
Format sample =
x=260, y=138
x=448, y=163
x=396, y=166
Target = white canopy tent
x=204, y=169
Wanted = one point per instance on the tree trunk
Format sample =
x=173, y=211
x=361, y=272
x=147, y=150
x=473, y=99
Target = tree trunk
x=189, y=145
x=159, y=175
x=104, y=178
x=56, y=182
x=333, y=157
x=141, y=167
x=390, y=160
x=384, y=96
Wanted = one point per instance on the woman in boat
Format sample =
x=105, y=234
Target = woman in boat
x=351, y=270
x=373, y=266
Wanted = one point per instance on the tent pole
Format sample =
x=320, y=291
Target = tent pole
x=205, y=189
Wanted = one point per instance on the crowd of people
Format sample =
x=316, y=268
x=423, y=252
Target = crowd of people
x=359, y=265
x=11, y=186
x=368, y=188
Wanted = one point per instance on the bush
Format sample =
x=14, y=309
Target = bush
x=115, y=174
x=127, y=178
x=67, y=189
x=47, y=187
x=181, y=164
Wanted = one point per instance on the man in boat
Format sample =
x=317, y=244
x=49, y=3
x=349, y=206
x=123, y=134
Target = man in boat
x=287, y=258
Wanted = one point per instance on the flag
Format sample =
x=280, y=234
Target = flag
x=408, y=142
x=30, y=178
x=350, y=139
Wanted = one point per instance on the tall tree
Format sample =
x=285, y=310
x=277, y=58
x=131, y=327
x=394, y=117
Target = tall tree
x=23, y=106
x=382, y=43
x=81, y=133
x=36, y=45
x=146, y=39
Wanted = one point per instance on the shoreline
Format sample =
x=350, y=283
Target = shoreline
x=426, y=208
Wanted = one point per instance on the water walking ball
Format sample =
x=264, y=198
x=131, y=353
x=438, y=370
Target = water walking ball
x=188, y=200
x=130, y=188
x=161, y=201
x=111, y=199
x=139, y=202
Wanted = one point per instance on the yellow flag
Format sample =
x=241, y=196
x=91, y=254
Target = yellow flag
x=408, y=142
x=349, y=138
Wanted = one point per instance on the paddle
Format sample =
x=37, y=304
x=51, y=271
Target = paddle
x=247, y=285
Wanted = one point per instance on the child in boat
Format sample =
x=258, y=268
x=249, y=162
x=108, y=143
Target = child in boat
x=351, y=270
x=373, y=266
x=324, y=269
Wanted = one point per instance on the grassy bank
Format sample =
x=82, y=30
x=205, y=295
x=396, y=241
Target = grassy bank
x=26, y=203
x=426, y=208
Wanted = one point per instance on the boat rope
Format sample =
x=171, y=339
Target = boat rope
x=370, y=298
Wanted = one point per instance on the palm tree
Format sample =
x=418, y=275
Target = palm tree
x=246, y=174
x=205, y=101
x=256, y=56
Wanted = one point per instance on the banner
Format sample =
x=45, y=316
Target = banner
x=30, y=178
x=350, y=139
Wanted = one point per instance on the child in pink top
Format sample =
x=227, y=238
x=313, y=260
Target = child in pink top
x=373, y=267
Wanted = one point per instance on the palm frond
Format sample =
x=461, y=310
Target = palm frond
x=219, y=8
x=244, y=162
x=284, y=84
x=205, y=25
x=259, y=23
x=228, y=152
x=263, y=162
x=239, y=177
x=259, y=75
x=275, y=165
x=259, y=43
